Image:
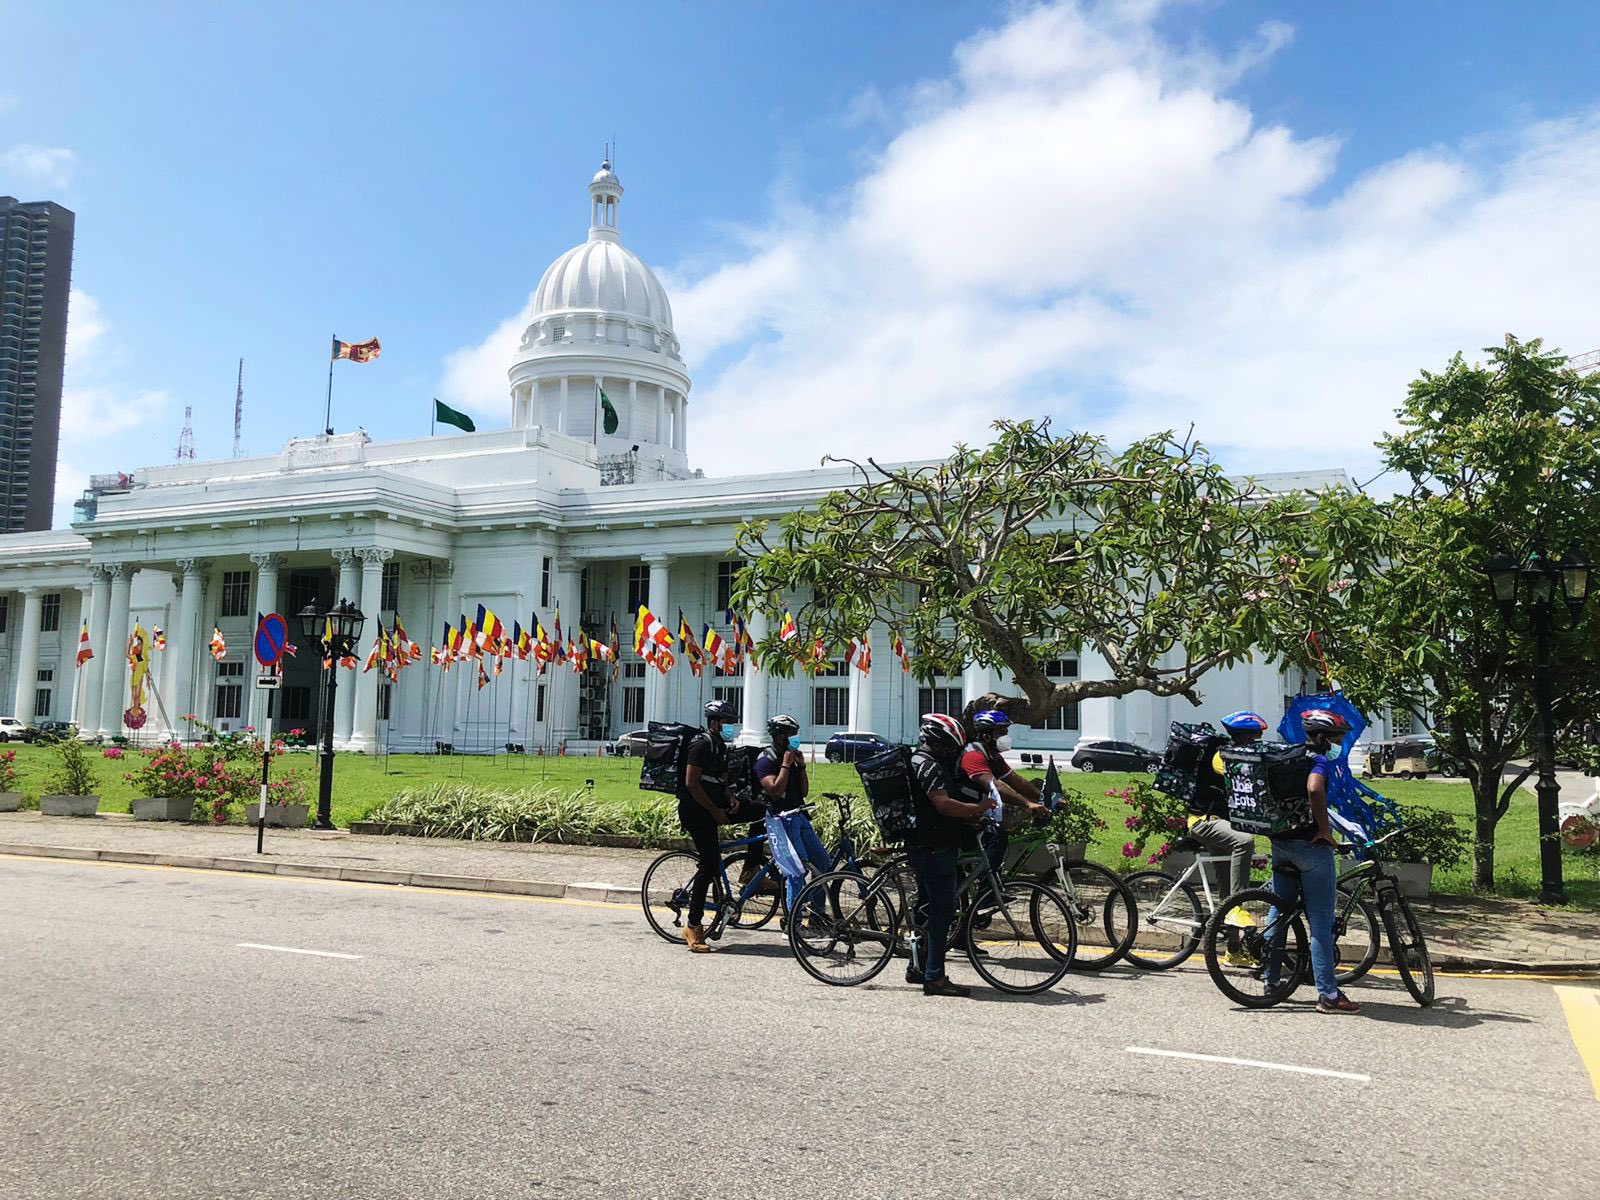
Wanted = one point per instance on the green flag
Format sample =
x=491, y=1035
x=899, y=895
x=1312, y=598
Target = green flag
x=610, y=421
x=445, y=415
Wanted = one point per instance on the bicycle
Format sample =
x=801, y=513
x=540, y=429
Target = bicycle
x=1102, y=907
x=1263, y=972
x=667, y=882
x=1028, y=933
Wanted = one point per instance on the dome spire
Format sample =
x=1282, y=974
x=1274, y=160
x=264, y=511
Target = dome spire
x=605, y=197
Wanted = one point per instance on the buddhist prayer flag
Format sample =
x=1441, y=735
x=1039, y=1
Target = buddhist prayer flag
x=616, y=649
x=524, y=644
x=356, y=351
x=697, y=656
x=717, y=650
x=900, y=650
x=84, y=652
x=158, y=637
x=652, y=630
x=601, y=651
x=483, y=676
x=219, y=647
x=788, y=631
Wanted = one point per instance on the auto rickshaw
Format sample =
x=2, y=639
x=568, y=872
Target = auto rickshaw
x=1402, y=758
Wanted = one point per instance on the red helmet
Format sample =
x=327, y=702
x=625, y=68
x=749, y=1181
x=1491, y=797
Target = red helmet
x=1320, y=720
x=943, y=732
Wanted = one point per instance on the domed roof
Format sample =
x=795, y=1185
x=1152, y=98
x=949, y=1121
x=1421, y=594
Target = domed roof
x=602, y=276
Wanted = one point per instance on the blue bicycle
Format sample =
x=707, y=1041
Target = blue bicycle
x=665, y=892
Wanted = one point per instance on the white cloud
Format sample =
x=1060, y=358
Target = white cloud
x=475, y=376
x=1086, y=221
x=38, y=166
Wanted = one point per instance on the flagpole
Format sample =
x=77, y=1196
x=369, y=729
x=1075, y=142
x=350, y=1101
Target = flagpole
x=328, y=421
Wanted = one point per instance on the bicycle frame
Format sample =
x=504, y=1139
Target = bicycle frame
x=1199, y=864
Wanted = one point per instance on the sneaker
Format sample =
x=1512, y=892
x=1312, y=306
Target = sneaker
x=1339, y=1004
x=1238, y=918
x=943, y=987
x=1238, y=958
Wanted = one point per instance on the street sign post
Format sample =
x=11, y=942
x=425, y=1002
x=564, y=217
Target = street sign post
x=272, y=635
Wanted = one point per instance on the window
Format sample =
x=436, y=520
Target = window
x=831, y=707
x=633, y=670
x=718, y=672
x=385, y=699
x=539, y=712
x=235, y=594
x=5, y=612
x=389, y=596
x=638, y=587
x=734, y=696
x=835, y=669
x=41, y=696
x=632, y=705
x=303, y=591
x=544, y=583
x=939, y=700
x=297, y=702
x=1065, y=717
x=50, y=612
x=229, y=698
x=725, y=573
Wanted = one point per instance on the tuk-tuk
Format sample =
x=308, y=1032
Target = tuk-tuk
x=1403, y=758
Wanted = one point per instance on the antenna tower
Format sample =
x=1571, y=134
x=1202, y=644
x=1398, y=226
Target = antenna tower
x=186, y=438
x=238, y=410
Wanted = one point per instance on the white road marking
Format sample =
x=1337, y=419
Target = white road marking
x=1250, y=1062
x=294, y=950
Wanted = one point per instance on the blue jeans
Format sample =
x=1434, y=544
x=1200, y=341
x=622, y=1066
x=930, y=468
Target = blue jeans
x=936, y=904
x=1319, y=877
x=808, y=848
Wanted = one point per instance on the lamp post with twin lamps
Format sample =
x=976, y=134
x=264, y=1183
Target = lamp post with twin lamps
x=337, y=630
x=1526, y=592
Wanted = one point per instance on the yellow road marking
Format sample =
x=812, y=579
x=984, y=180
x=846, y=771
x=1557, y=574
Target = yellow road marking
x=1582, y=1007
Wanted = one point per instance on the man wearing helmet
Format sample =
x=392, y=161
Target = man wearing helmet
x=943, y=830
x=781, y=772
x=984, y=776
x=1309, y=849
x=703, y=804
x=1208, y=810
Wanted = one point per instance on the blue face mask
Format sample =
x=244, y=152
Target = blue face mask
x=1334, y=751
x=725, y=733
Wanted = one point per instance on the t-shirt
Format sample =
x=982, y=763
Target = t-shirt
x=768, y=763
x=934, y=830
x=711, y=756
x=976, y=759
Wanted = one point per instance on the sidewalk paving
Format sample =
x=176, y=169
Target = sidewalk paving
x=1464, y=932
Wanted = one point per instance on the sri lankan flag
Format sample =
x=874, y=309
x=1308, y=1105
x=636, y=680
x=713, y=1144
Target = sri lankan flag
x=356, y=351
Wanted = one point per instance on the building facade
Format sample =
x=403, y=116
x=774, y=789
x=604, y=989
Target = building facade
x=35, y=281
x=585, y=504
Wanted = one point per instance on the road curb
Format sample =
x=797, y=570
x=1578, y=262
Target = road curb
x=537, y=888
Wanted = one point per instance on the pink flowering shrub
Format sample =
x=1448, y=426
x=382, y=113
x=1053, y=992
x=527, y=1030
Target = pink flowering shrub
x=215, y=775
x=1156, y=818
x=8, y=771
x=112, y=752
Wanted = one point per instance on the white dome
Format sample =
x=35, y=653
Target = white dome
x=601, y=276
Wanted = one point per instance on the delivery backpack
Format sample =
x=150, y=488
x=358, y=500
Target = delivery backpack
x=892, y=791
x=1266, y=784
x=666, y=753
x=1185, y=770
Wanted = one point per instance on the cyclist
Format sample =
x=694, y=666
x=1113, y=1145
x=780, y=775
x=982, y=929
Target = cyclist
x=984, y=777
x=781, y=771
x=943, y=830
x=1310, y=850
x=1208, y=811
x=703, y=804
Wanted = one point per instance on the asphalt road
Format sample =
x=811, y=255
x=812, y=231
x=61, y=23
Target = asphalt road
x=486, y=1047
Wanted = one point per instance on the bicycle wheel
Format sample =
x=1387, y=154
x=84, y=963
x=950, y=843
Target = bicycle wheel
x=1169, y=920
x=1409, y=947
x=1356, y=939
x=759, y=907
x=1255, y=948
x=847, y=946
x=1017, y=949
x=1103, y=909
x=665, y=892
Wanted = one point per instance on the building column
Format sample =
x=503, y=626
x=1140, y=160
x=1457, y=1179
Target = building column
x=633, y=411
x=86, y=698
x=27, y=674
x=266, y=566
x=562, y=424
x=561, y=698
x=114, y=647
x=364, y=725
x=860, y=701
x=755, y=688
x=186, y=642
x=655, y=682
x=347, y=588
x=440, y=723
x=661, y=408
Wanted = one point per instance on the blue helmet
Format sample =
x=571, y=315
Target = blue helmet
x=1244, y=721
x=991, y=720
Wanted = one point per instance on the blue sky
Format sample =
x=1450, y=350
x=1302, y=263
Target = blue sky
x=1126, y=216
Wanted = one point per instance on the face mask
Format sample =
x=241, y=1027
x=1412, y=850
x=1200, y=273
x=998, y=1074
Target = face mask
x=725, y=733
x=1334, y=751
x=1003, y=742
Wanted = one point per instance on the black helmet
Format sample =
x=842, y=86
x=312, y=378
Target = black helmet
x=783, y=725
x=719, y=710
x=1320, y=720
x=941, y=732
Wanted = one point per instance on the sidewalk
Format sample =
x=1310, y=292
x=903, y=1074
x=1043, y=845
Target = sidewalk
x=1464, y=933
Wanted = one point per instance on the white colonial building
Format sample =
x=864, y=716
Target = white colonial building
x=566, y=508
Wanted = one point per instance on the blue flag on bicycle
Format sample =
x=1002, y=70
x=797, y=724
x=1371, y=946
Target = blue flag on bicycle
x=1050, y=794
x=1347, y=795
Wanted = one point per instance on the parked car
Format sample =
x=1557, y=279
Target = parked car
x=631, y=745
x=46, y=733
x=1104, y=754
x=12, y=729
x=853, y=746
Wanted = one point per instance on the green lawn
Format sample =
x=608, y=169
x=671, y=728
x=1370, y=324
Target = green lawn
x=360, y=782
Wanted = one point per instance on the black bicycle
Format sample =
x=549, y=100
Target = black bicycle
x=1257, y=951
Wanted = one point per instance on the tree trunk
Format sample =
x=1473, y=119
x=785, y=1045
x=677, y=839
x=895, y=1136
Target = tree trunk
x=1483, y=836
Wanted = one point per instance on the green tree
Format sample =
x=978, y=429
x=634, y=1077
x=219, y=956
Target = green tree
x=1037, y=547
x=1499, y=456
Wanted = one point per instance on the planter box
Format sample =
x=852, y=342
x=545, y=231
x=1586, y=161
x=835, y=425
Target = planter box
x=162, y=808
x=69, y=806
x=279, y=816
x=10, y=801
x=1416, y=879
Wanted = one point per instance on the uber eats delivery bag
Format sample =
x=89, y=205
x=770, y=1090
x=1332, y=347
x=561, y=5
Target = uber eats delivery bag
x=665, y=756
x=891, y=791
x=1266, y=784
x=1183, y=767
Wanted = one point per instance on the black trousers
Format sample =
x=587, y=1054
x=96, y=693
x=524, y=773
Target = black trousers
x=702, y=829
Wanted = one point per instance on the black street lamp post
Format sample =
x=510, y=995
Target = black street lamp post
x=1526, y=593
x=336, y=631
